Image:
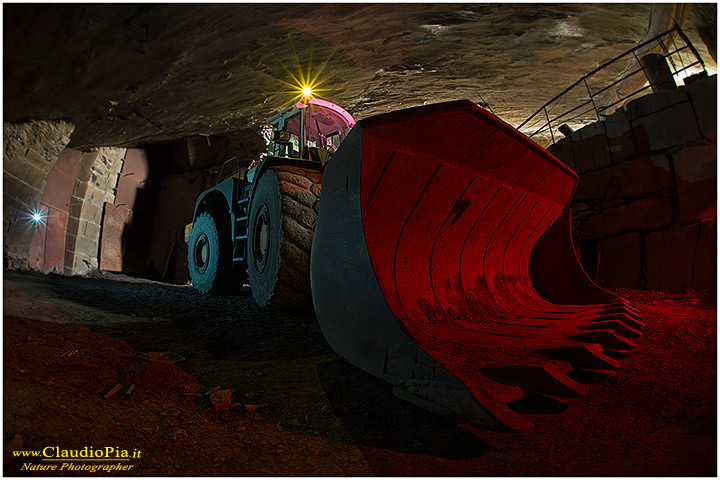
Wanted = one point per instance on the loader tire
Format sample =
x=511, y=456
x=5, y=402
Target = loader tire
x=282, y=221
x=210, y=254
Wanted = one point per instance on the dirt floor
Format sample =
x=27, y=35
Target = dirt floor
x=297, y=409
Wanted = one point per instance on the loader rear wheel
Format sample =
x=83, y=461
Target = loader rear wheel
x=282, y=221
x=209, y=254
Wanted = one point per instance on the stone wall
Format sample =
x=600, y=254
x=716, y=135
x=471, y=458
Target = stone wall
x=30, y=151
x=645, y=211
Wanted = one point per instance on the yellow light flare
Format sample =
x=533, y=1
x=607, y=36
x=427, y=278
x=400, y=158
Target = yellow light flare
x=305, y=83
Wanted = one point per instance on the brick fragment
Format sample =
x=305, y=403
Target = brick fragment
x=112, y=391
x=221, y=399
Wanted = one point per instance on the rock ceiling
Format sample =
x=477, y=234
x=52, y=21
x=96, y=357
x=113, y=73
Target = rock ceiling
x=132, y=74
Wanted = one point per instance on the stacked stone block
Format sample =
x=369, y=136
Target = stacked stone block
x=647, y=190
x=94, y=186
x=30, y=151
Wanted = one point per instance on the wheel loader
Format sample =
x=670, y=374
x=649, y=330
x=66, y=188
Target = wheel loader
x=260, y=220
x=438, y=256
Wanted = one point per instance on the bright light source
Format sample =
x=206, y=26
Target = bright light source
x=35, y=216
x=305, y=83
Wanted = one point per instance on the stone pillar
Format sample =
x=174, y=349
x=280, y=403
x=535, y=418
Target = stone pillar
x=30, y=151
x=94, y=186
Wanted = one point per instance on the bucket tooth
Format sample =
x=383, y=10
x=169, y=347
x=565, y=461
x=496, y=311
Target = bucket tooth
x=502, y=412
x=538, y=403
x=501, y=392
x=620, y=310
x=586, y=376
x=564, y=367
x=620, y=303
x=616, y=354
x=545, y=378
x=581, y=356
x=615, y=325
x=454, y=403
x=607, y=338
x=631, y=322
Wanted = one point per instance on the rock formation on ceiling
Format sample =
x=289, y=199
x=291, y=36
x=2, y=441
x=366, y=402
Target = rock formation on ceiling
x=134, y=73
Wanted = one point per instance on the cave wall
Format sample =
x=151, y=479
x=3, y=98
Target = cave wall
x=30, y=151
x=645, y=212
x=68, y=187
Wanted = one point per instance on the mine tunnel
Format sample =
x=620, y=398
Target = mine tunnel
x=360, y=239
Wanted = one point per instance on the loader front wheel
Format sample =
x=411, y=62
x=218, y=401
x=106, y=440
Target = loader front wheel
x=209, y=254
x=282, y=221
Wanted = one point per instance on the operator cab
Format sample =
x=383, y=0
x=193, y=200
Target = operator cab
x=311, y=122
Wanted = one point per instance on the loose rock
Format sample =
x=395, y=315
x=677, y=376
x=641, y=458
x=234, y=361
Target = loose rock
x=221, y=399
x=171, y=412
x=178, y=435
x=112, y=391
